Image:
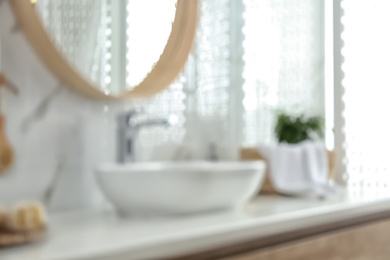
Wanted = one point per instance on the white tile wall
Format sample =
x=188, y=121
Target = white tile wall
x=72, y=135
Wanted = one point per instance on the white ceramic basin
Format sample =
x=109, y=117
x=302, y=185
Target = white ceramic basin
x=168, y=188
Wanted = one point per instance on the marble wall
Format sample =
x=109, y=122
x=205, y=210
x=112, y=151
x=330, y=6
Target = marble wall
x=54, y=131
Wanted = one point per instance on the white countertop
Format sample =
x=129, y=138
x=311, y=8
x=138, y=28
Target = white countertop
x=93, y=235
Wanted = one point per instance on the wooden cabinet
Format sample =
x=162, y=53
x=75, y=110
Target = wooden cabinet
x=363, y=242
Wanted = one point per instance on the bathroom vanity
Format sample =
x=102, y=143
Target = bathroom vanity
x=353, y=225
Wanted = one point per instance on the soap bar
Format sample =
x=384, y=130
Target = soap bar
x=26, y=216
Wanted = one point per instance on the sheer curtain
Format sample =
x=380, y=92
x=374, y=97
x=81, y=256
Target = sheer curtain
x=171, y=102
x=366, y=85
x=251, y=58
x=284, y=63
x=203, y=88
x=213, y=61
x=78, y=28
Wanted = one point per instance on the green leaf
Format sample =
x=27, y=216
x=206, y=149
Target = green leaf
x=293, y=130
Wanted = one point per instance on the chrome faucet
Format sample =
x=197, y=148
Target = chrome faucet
x=127, y=133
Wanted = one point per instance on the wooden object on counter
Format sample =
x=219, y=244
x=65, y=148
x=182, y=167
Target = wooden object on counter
x=24, y=223
x=26, y=217
x=6, y=152
x=253, y=154
x=9, y=239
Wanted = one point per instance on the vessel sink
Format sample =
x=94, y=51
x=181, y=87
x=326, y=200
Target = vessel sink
x=171, y=188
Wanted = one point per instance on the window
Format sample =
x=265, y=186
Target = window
x=366, y=91
x=284, y=63
x=250, y=58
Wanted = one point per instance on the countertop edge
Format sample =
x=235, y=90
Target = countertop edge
x=221, y=236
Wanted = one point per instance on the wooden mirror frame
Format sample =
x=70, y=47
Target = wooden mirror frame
x=167, y=68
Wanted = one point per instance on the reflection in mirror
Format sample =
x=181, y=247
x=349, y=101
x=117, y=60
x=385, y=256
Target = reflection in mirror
x=113, y=44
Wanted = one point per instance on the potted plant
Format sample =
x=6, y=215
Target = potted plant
x=295, y=129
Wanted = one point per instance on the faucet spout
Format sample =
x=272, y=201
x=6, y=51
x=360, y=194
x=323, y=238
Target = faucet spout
x=148, y=123
x=128, y=131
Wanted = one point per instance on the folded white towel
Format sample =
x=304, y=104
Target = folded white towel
x=298, y=169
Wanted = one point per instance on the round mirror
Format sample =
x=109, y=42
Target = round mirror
x=111, y=49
